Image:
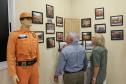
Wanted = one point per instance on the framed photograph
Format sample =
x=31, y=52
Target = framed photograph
x=50, y=28
x=59, y=36
x=49, y=20
x=116, y=20
x=117, y=35
x=86, y=22
x=37, y=17
x=62, y=44
x=49, y=11
x=86, y=36
x=59, y=21
x=50, y=41
x=100, y=28
x=40, y=35
x=99, y=13
x=88, y=45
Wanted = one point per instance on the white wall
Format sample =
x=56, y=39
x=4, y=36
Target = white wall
x=116, y=70
x=48, y=57
x=4, y=78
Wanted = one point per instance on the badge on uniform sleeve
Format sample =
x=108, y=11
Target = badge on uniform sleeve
x=34, y=35
x=22, y=36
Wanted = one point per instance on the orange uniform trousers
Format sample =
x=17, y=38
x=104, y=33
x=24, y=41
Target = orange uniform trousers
x=28, y=74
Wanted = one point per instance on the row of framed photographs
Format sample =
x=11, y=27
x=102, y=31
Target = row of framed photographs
x=86, y=36
x=86, y=22
x=38, y=16
x=40, y=34
x=115, y=35
x=100, y=28
x=86, y=39
x=38, y=19
x=99, y=14
x=114, y=21
x=50, y=14
x=50, y=42
x=87, y=45
x=50, y=28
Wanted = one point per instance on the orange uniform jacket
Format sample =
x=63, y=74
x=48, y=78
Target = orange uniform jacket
x=22, y=46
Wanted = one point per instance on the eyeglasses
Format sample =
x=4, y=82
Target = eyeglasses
x=28, y=18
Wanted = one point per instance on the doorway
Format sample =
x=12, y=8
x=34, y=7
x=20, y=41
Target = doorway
x=71, y=25
x=4, y=29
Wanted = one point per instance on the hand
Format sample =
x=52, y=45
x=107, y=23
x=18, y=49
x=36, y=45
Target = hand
x=15, y=79
x=56, y=78
x=93, y=81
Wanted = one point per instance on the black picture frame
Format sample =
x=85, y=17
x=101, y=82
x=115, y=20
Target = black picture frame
x=49, y=11
x=50, y=28
x=86, y=22
x=37, y=17
x=117, y=35
x=59, y=36
x=100, y=28
x=59, y=21
x=116, y=20
x=99, y=13
x=86, y=36
x=88, y=45
x=50, y=42
x=40, y=35
x=62, y=44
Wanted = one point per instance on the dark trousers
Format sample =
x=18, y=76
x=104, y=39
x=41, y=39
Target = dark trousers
x=74, y=78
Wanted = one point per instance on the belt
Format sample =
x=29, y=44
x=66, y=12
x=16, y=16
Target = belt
x=26, y=63
x=73, y=72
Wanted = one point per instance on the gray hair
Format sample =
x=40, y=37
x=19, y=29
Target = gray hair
x=100, y=40
x=75, y=36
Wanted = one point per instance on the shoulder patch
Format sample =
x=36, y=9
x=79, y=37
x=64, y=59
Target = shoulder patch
x=33, y=34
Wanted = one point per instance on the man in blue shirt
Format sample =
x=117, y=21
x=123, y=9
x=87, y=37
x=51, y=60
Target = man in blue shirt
x=72, y=61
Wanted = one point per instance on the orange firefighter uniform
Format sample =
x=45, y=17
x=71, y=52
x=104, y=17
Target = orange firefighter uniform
x=23, y=46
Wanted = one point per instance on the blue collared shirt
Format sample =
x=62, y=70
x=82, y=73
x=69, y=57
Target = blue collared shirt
x=72, y=58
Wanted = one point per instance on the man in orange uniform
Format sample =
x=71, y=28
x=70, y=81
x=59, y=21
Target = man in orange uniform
x=23, y=53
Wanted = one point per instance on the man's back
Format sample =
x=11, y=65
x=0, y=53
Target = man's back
x=74, y=55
